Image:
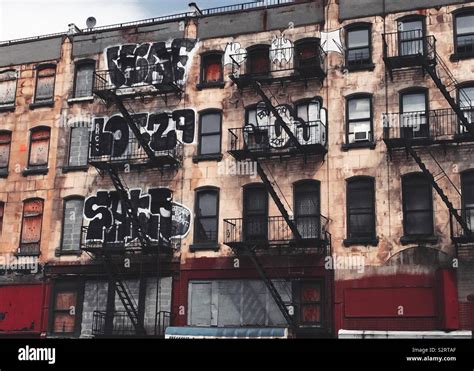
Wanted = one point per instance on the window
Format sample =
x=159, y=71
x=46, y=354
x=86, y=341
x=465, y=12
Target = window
x=310, y=303
x=255, y=213
x=307, y=209
x=464, y=34
x=467, y=187
x=308, y=55
x=417, y=206
x=84, y=80
x=466, y=101
x=2, y=211
x=210, y=133
x=358, y=46
x=31, y=227
x=411, y=36
x=7, y=88
x=72, y=224
x=313, y=131
x=45, y=77
x=211, y=68
x=65, y=302
x=39, y=148
x=207, y=216
x=258, y=60
x=359, y=119
x=414, y=119
x=360, y=210
x=78, y=147
x=5, y=144
x=255, y=135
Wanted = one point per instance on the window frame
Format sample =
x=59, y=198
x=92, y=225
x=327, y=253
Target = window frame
x=77, y=66
x=4, y=170
x=69, y=167
x=210, y=245
x=412, y=18
x=409, y=91
x=203, y=83
x=2, y=216
x=407, y=238
x=297, y=194
x=37, y=169
x=369, y=240
x=248, y=62
x=302, y=42
x=211, y=156
x=43, y=103
x=464, y=85
x=362, y=144
x=245, y=213
x=467, y=177
x=73, y=286
x=462, y=12
x=9, y=106
x=358, y=26
x=60, y=251
x=297, y=298
x=19, y=252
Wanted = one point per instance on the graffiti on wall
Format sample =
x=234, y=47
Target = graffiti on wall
x=307, y=122
x=112, y=136
x=332, y=41
x=149, y=63
x=234, y=53
x=163, y=219
x=281, y=50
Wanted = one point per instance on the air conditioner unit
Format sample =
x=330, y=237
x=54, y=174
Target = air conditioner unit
x=361, y=136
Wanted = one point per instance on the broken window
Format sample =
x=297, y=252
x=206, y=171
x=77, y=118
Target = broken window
x=64, y=313
x=78, y=146
x=72, y=224
x=31, y=227
x=417, y=206
x=45, y=78
x=207, y=216
x=212, y=68
x=361, y=209
x=84, y=79
x=306, y=196
x=7, y=88
x=5, y=144
x=210, y=133
x=39, y=147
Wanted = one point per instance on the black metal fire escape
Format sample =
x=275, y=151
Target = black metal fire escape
x=431, y=62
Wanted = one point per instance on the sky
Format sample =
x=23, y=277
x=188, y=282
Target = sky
x=24, y=18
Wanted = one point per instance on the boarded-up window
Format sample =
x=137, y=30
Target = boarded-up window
x=5, y=142
x=39, y=147
x=78, y=146
x=7, y=88
x=31, y=227
x=72, y=223
x=45, y=84
x=212, y=68
x=2, y=210
x=64, y=315
x=84, y=79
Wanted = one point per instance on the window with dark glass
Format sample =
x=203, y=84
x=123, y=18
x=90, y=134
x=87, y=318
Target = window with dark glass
x=467, y=187
x=361, y=210
x=358, y=46
x=5, y=145
x=84, y=81
x=207, y=216
x=2, y=210
x=255, y=213
x=78, y=146
x=39, y=148
x=417, y=206
x=210, y=133
x=307, y=209
x=307, y=54
x=466, y=102
x=64, y=311
x=258, y=60
x=31, y=227
x=411, y=37
x=310, y=303
x=7, y=88
x=359, y=119
x=464, y=33
x=212, y=70
x=45, y=78
x=72, y=224
x=413, y=115
x=255, y=133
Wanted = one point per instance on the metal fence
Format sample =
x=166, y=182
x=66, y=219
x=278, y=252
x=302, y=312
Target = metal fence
x=122, y=326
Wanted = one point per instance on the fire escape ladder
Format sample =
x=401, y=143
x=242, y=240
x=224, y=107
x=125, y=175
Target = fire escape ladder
x=125, y=297
x=433, y=179
x=437, y=68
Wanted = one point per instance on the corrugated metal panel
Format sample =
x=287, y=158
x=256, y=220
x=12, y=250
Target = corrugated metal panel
x=254, y=303
x=200, y=303
x=30, y=52
x=230, y=303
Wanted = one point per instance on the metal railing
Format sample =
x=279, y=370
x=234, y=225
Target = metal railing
x=272, y=139
x=281, y=63
x=405, y=44
x=245, y=6
x=274, y=230
x=441, y=124
x=458, y=233
x=134, y=154
x=122, y=326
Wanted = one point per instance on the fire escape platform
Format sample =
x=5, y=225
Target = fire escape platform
x=246, y=80
x=291, y=152
x=162, y=161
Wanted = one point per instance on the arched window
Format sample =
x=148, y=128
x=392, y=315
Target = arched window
x=414, y=118
x=210, y=127
x=7, y=88
x=84, y=78
x=72, y=224
x=359, y=120
x=417, y=196
x=206, y=217
x=358, y=45
x=45, y=79
x=466, y=100
x=411, y=35
x=39, y=148
x=5, y=146
x=31, y=225
x=464, y=33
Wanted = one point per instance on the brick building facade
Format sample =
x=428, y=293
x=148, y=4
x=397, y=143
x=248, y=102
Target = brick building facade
x=303, y=165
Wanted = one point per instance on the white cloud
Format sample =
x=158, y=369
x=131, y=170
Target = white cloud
x=24, y=18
